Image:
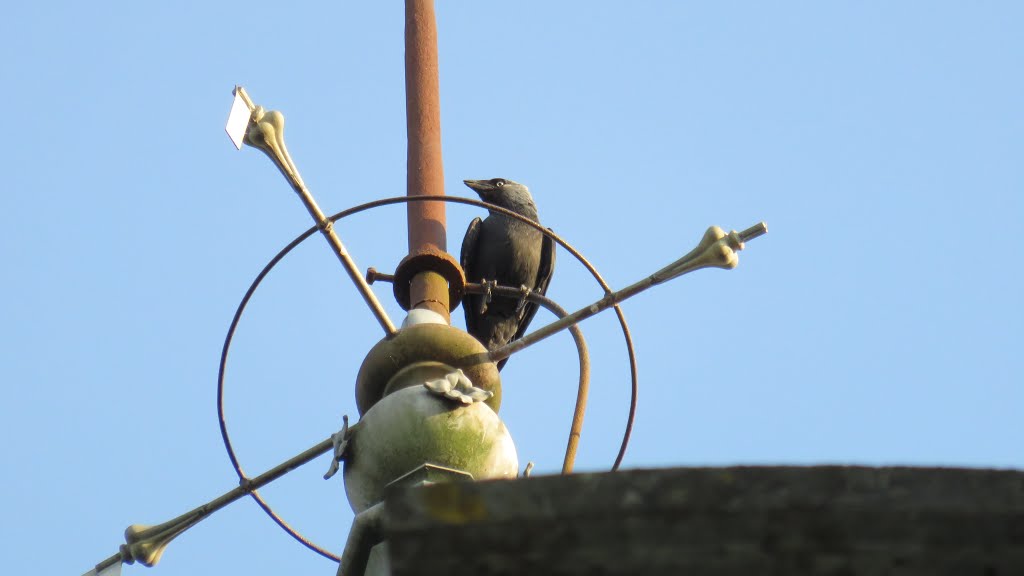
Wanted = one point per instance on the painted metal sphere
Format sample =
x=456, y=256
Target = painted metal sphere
x=414, y=426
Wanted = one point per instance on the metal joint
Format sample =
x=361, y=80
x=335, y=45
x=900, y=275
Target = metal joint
x=427, y=260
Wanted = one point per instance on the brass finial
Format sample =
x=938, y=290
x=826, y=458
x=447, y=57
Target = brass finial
x=265, y=131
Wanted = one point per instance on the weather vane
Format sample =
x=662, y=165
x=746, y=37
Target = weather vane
x=427, y=393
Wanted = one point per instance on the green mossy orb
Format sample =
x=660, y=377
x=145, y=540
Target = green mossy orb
x=413, y=426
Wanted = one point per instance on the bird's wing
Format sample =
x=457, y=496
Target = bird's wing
x=467, y=259
x=544, y=272
x=547, y=265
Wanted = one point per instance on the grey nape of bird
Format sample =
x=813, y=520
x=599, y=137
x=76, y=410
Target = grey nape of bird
x=512, y=253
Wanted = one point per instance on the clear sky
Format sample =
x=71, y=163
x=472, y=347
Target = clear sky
x=878, y=322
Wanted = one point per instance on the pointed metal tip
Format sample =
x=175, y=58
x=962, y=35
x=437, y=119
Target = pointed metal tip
x=109, y=567
x=759, y=229
x=239, y=92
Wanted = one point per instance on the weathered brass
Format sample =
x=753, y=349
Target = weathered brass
x=266, y=132
x=417, y=345
x=146, y=544
x=715, y=250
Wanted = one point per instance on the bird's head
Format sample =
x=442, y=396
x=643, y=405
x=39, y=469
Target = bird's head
x=505, y=193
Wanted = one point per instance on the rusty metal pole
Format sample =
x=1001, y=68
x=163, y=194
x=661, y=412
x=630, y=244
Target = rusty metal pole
x=428, y=289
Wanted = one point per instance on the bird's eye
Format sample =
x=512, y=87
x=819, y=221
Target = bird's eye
x=499, y=182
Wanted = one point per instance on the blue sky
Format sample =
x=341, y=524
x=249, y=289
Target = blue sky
x=879, y=321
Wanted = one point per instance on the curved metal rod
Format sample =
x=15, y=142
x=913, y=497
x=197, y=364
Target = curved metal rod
x=631, y=351
x=361, y=208
x=220, y=400
x=634, y=390
x=582, y=391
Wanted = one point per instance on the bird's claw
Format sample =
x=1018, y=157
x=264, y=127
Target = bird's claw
x=486, y=296
x=340, y=441
x=524, y=298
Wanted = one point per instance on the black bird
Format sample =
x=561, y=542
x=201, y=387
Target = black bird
x=504, y=250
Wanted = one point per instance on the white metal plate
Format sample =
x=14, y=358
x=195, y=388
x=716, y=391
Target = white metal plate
x=238, y=120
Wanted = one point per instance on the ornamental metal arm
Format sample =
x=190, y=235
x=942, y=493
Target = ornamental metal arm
x=716, y=249
x=146, y=544
x=264, y=130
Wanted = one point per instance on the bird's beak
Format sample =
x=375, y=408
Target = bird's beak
x=478, y=186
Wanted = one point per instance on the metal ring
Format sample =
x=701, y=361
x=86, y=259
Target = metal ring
x=433, y=260
x=361, y=208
